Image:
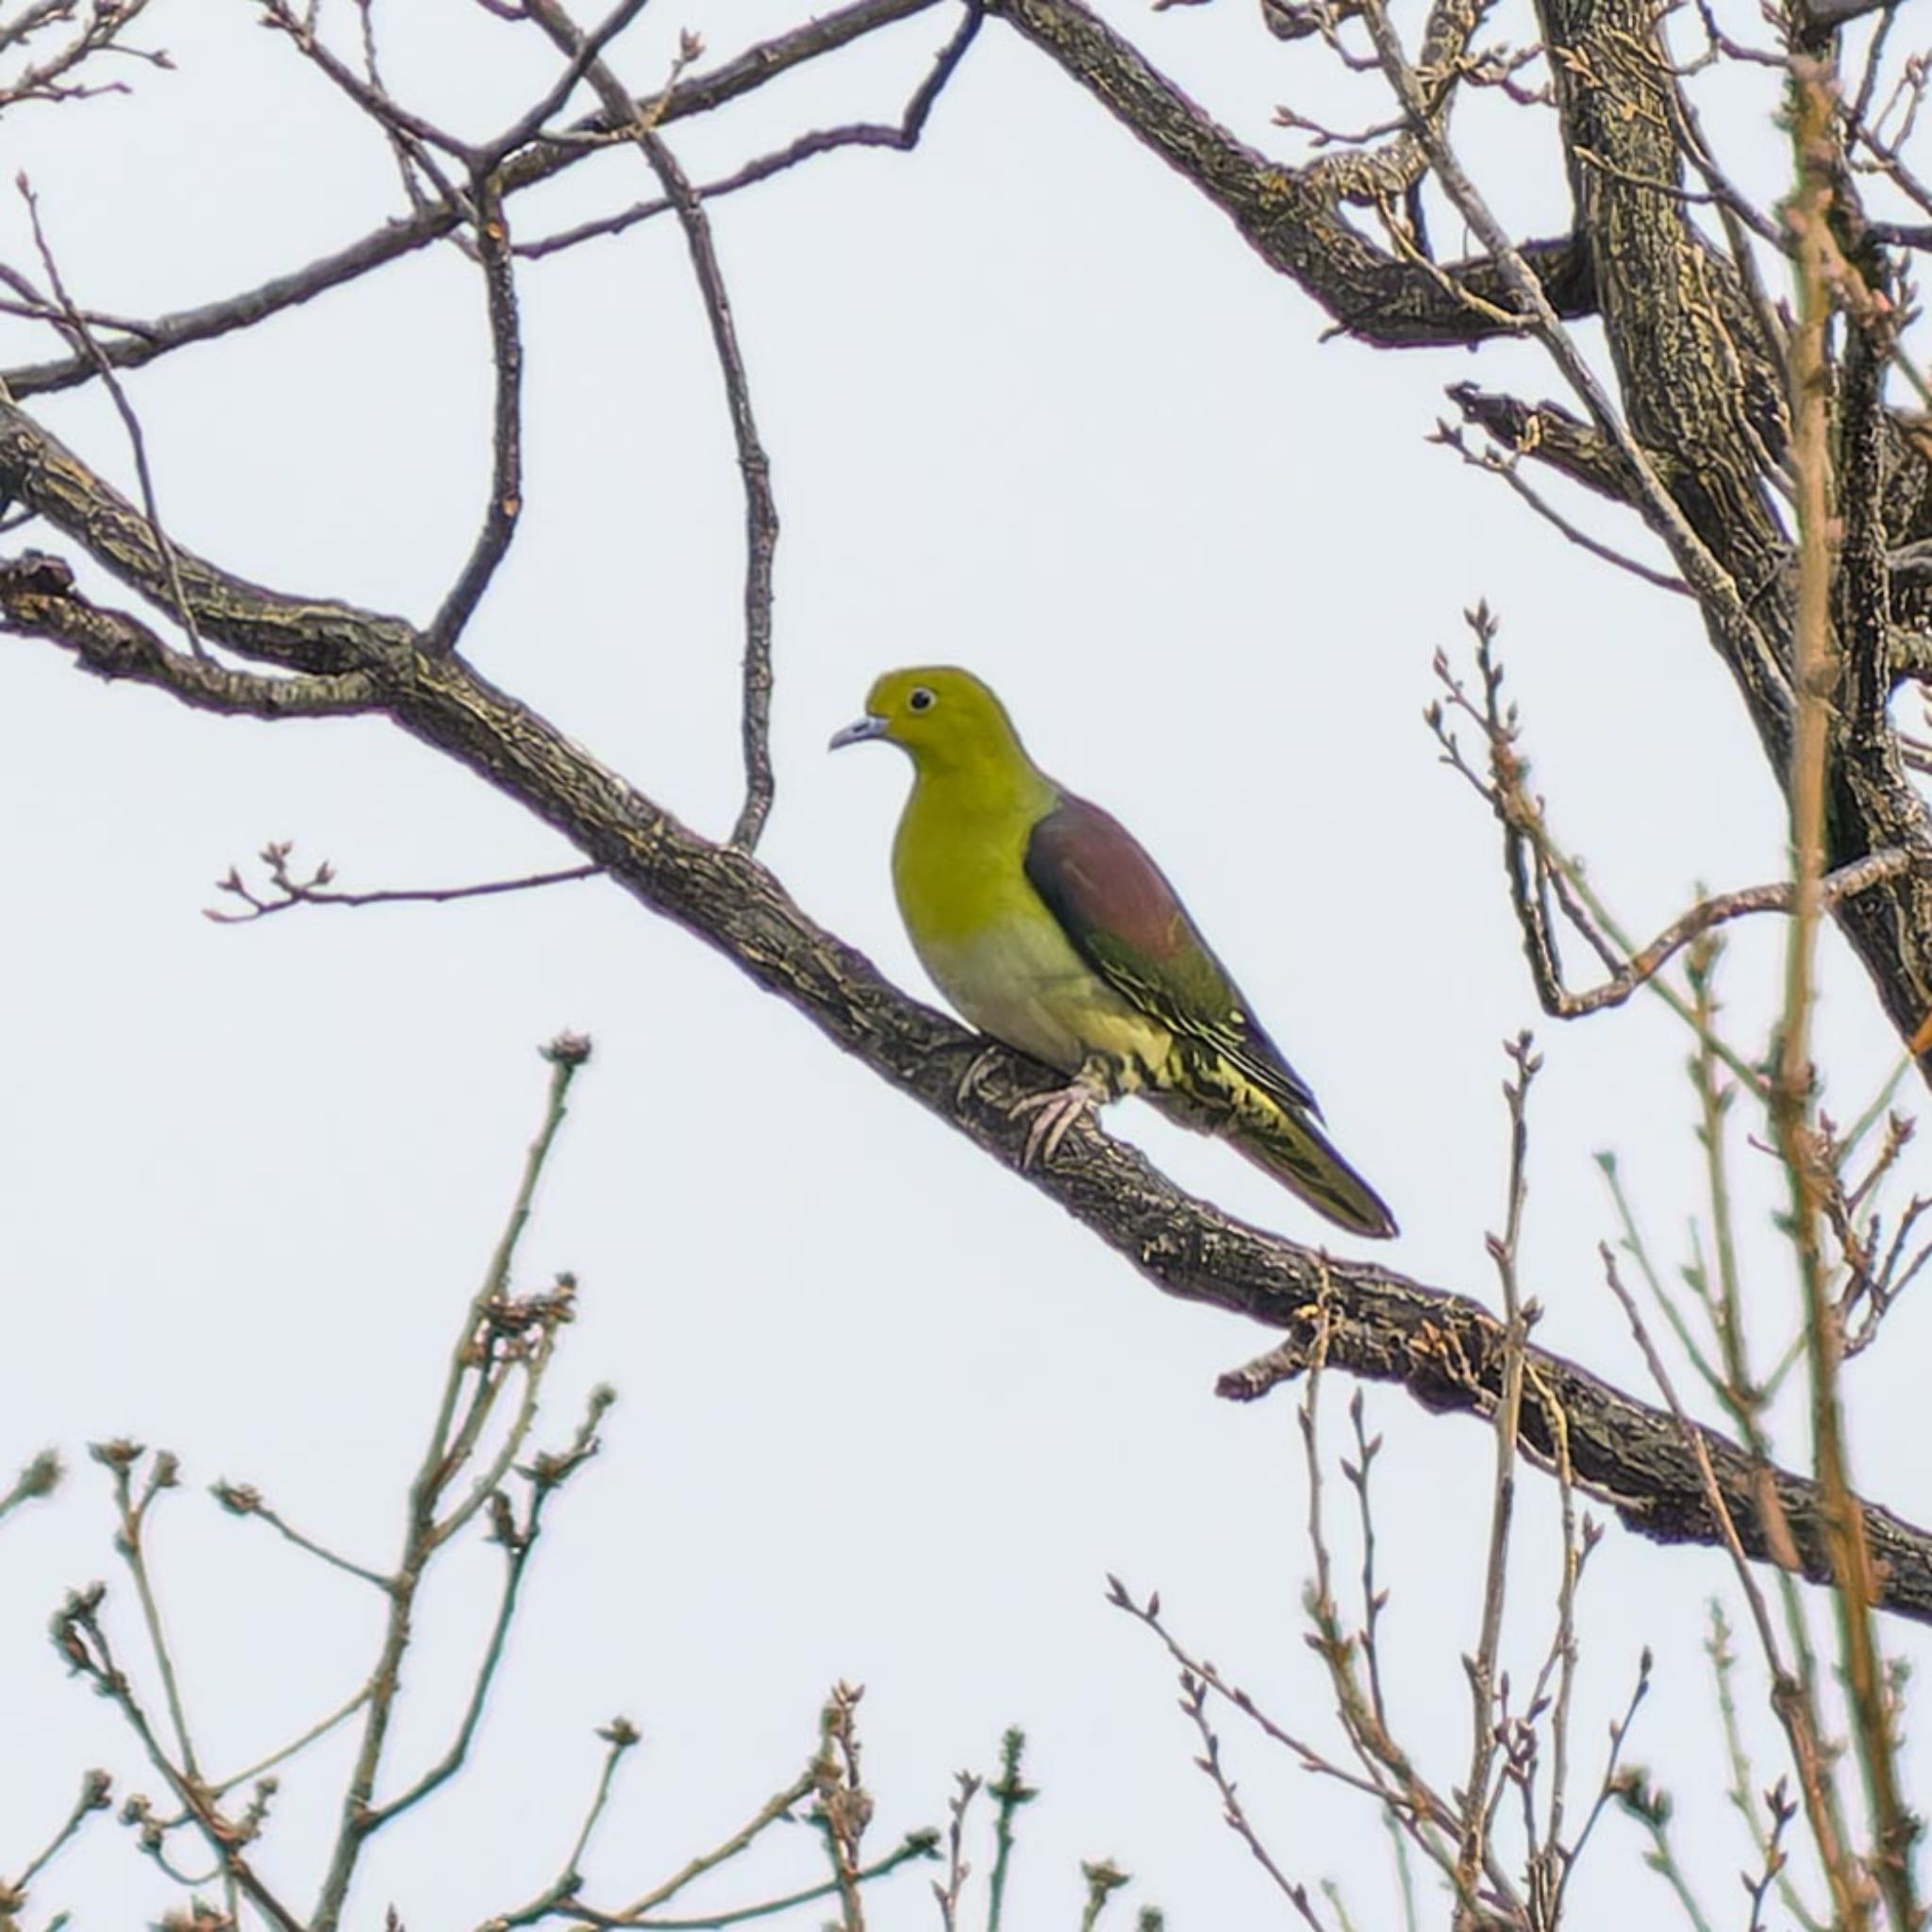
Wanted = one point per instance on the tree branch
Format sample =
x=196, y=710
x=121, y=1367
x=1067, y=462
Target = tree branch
x=315, y=635
x=506, y=500
x=1446, y=1349
x=38, y=599
x=1291, y=217
x=754, y=465
x=540, y=161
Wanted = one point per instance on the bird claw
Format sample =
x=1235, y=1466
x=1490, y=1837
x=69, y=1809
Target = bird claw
x=1055, y=1112
x=974, y=1073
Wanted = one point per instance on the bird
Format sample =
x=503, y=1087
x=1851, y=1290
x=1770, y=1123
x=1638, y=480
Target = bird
x=1050, y=930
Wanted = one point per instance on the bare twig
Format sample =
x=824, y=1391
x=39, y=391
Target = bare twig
x=780, y=1805
x=1517, y=1317
x=419, y=135
x=239, y=1499
x=51, y=79
x=473, y=1365
x=1386, y=1776
x=313, y=891
x=81, y=1638
x=842, y=1806
x=619, y=1736
x=902, y=137
x=1539, y=867
x=96, y=1794
x=915, y=1846
x=507, y=434
x=1808, y=214
x=760, y=507
x=589, y=47
x=1008, y=1791
x=1194, y=1703
x=75, y=326
x=966, y=1787
x=1509, y=468
x=758, y=65
x=294, y=1748
x=1742, y=1788
x=518, y=1540
x=1563, y=1860
x=1791, y=1698
x=120, y=1458
x=40, y=1478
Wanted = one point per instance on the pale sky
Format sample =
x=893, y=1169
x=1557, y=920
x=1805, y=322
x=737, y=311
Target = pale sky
x=887, y=1415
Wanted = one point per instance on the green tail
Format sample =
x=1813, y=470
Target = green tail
x=1286, y=1143
x=1292, y=1148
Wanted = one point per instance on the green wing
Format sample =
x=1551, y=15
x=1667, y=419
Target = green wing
x=1129, y=924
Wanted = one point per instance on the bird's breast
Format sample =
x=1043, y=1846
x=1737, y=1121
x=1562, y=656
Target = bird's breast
x=997, y=952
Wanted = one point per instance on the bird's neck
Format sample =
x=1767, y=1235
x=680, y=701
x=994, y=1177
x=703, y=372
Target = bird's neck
x=981, y=789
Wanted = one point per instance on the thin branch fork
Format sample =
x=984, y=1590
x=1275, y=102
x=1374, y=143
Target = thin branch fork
x=38, y=599
x=96, y=1794
x=1708, y=578
x=1292, y=217
x=1509, y=468
x=902, y=137
x=1539, y=871
x=74, y=326
x=292, y=892
x=1427, y=1819
x=370, y=96
x=1795, y=1708
x=1860, y=875
x=589, y=48
x=80, y=1636
x=99, y=31
x=500, y=1336
x=699, y=94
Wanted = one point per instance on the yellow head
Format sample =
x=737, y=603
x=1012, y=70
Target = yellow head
x=944, y=717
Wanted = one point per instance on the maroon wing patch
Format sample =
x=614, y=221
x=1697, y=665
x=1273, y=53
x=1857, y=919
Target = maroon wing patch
x=1126, y=921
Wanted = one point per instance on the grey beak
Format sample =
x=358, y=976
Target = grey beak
x=857, y=732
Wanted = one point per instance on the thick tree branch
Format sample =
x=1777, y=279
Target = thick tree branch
x=37, y=599
x=321, y=636
x=1702, y=393
x=1291, y=217
x=1553, y=436
x=1445, y=1348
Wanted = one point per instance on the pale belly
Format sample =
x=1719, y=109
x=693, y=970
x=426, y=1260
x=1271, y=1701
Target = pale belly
x=1023, y=983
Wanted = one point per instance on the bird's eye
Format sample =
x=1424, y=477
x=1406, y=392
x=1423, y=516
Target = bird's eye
x=920, y=699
